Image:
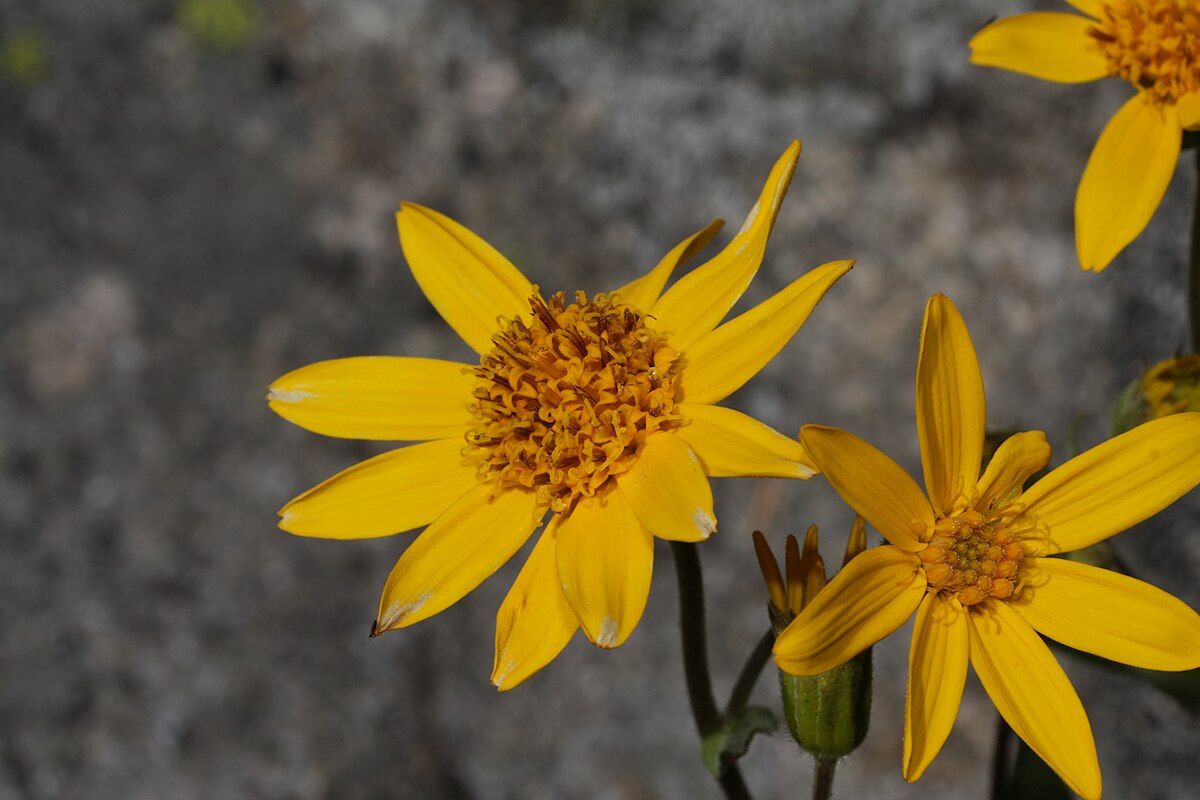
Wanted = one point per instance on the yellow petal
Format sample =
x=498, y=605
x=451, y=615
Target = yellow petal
x=1108, y=614
x=535, y=622
x=605, y=560
x=868, y=599
x=950, y=405
x=470, y=284
x=1047, y=45
x=1093, y=8
x=719, y=363
x=1017, y=458
x=1189, y=111
x=1033, y=695
x=1125, y=179
x=1115, y=485
x=700, y=299
x=731, y=444
x=377, y=397
x=668, y=490
x=392, y=492
x=466, y=544
x=872, y=484
x=644, y=292
x=937, y=672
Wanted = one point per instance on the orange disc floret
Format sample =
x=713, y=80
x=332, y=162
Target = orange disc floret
x=1153, y=44
x=567, y=397
x=972, y=557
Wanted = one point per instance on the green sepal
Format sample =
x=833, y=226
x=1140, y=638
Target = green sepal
x=1130, y=409
x=828, y=714
x=730, y=742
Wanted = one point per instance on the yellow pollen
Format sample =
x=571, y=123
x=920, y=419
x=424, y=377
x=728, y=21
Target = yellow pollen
x=1153, y=44
x=973, y=558
x=567, y=398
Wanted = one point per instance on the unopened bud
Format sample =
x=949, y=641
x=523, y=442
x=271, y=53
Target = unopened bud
x=828, y=714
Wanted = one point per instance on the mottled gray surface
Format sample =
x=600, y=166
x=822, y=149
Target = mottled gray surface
x=180, y=226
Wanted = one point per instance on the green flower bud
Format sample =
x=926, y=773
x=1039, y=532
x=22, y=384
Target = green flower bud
x=828, y=714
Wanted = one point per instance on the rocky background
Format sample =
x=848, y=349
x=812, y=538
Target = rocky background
x=197, y=196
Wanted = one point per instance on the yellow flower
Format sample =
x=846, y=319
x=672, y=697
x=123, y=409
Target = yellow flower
x=972, y=559
x=598, y=411
x=1152, y=44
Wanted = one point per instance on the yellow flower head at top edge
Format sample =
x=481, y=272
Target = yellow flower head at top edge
x=599, y=411
x=970, y=557
x=1154, y=45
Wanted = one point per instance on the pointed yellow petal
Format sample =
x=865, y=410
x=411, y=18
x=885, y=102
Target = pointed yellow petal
x=1108, y=614
x=950, y=405
x=1125, y=179
x=719, y=363
x=1017, y=458
x=937, y=672
x=535, y=622
x=605, y=560
x=868, y=599
x=731, y=444
x=1189, y=111
x=392, y=492
x=668, y=490
x=872, y=484
x=466, y=544
x=1093, y=8
x=377, y=397
x=644, y=292
x=1033, y=695
x=1047, y=45
x=470, y=284
x=1115, y=485
x=700, y=299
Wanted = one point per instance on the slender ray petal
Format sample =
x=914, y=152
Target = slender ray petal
x=950, y=405
x=722, y=361
x=1034, y=696
x=470, y=284
x=868, y=599
x=1189, y=110
x=700, y=299
x=1017, y=458
x=872, y=484
x=937, y=672
x=377, y=397
x=1047, y=45
x=1125, y=179
x=466, y=544
x=668, y=490
x=644, y=292
x=1110, y=615
x=392, y=492
x=535, y=621
x=1117, y=484
x=605, y=559
x=731, y=444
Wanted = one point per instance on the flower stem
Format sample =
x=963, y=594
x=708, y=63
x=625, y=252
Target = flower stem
x=823, y=778
x=751, y=671
x=695, y=659
x=1193, y=290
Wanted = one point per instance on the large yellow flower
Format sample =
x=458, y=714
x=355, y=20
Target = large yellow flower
x=599, y=411
x=972, y=559
x=1155, y=46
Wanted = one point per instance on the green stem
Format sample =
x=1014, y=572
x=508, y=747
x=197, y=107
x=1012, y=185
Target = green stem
x=823, y=778
x=695, y=659
x=1193, y=290
x=751, y=671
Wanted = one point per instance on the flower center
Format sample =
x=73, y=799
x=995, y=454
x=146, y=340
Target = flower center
x=566, y=399
x=973, y=557
x=1153, y=44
